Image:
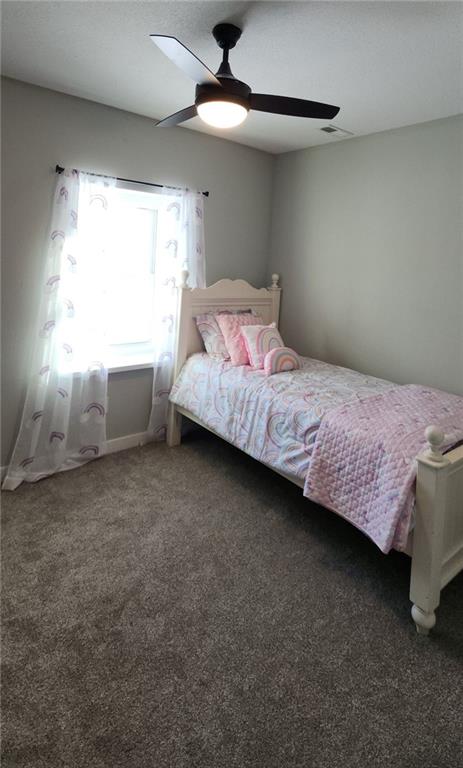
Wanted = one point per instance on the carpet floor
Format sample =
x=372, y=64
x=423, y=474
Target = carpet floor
x=188, y=608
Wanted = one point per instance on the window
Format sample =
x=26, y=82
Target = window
x=120, y=281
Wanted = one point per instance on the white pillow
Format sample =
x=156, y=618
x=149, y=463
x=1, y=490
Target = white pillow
x=259, y=340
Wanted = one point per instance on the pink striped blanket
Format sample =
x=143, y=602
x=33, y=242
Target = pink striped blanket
x=363, y=464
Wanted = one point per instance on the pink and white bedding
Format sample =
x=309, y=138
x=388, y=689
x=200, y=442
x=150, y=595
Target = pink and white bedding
x=351, y=438
x=272, y=418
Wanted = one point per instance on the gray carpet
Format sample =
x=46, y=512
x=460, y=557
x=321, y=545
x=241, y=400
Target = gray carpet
x=181, y=608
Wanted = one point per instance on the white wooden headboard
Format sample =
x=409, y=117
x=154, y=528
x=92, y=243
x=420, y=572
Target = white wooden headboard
x=226, y=294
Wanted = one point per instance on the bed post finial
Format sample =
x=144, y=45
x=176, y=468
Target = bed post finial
x=184, y=275
x=435, y=438
x=275, y=286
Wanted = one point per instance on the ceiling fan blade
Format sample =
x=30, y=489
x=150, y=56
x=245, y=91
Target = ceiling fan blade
x=285, y=105
x=178, y=117
x=185, y=59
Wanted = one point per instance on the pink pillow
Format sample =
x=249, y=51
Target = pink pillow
x=211, y=334
x=231, y=325
x=259, y=340
x=281, y=359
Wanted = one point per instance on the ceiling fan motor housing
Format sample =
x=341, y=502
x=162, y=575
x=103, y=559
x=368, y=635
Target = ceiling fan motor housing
x=232, y=90
x=226, y=35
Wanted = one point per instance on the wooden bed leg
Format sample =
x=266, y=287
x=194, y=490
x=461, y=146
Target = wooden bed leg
x=426, y=573
x=174, y=427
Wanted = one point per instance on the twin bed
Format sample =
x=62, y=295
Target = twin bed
x=279, y=421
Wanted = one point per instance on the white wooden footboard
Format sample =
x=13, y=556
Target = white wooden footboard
x=437, y=549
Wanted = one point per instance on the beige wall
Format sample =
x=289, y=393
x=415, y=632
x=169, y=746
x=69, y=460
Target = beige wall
x=42, y=128
x=367, y=234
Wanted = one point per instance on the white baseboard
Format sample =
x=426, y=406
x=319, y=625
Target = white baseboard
x=112, y=446
x=127, y=441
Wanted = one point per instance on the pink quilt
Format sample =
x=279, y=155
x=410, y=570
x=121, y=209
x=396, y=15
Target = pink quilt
x=363, y=464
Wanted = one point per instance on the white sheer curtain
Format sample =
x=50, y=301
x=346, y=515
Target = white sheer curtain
x=180, y=246
x=64, y=419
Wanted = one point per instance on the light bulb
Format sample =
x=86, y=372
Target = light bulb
x=222, y=114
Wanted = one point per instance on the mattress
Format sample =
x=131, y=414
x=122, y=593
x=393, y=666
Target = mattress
x=275, y=418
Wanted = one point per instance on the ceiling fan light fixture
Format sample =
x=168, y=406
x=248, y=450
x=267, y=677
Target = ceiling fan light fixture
x=223, y=101
x=221, y=113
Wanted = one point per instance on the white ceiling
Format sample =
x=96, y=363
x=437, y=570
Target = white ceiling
x=387, y=64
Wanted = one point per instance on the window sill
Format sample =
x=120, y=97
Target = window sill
x=129, y=365
x=118, y=366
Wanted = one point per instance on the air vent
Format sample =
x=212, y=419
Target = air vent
x=335, y=129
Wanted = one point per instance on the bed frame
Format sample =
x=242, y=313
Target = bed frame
x=436, y=543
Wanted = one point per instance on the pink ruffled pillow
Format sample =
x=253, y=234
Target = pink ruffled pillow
x=259, y=340
x=231, y=326
x=211, y=334
x=281, y=359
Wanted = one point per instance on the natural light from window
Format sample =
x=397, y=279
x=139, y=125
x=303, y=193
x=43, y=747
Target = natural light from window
x=117, y=274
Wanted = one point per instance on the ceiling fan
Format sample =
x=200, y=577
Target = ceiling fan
x=221, y=100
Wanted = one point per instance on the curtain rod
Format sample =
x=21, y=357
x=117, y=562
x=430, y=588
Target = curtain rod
x=60, y=169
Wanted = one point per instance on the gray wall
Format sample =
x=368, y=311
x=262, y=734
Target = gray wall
x=42, y=127
x=367, y=234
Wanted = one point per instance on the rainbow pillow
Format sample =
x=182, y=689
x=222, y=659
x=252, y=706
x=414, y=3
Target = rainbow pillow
x=281, y=359
x=259, y=340
x=212, y=337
